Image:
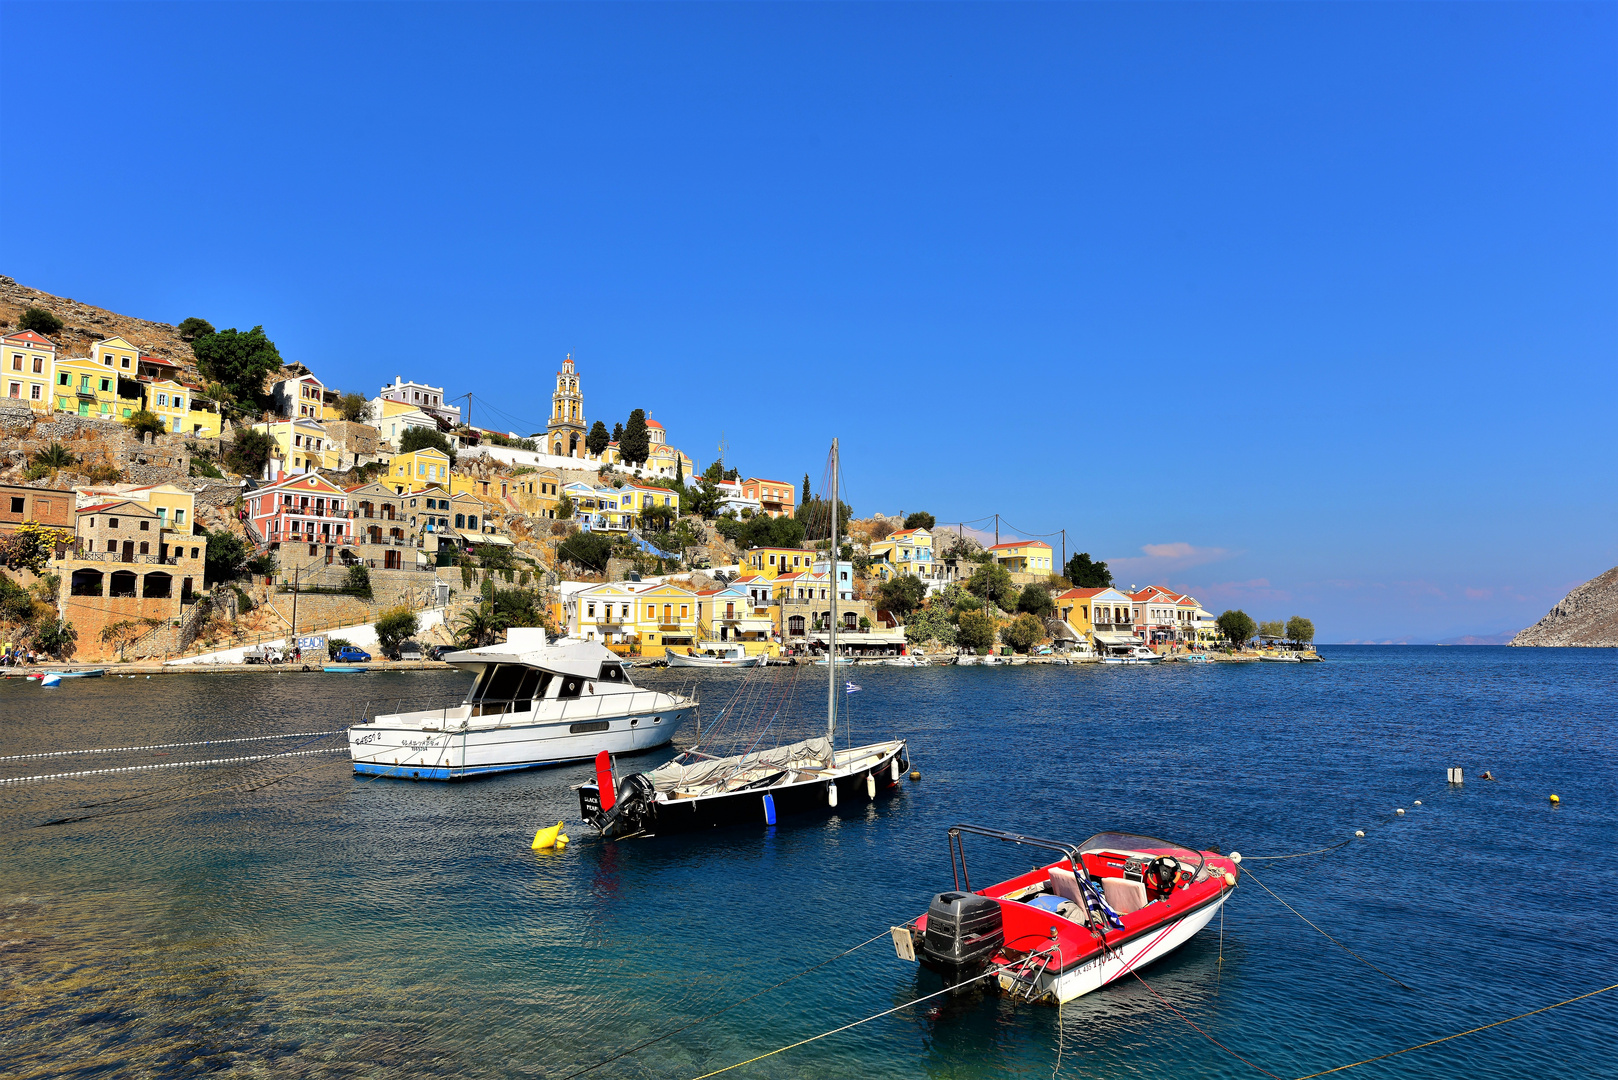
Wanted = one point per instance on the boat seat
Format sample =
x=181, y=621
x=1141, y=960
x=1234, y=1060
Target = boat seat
x=1066, y=885
x=1123, y=895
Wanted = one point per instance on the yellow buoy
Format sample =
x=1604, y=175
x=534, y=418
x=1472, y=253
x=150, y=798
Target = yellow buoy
x=561, y=842
x=1555, y=799
x=545, y=839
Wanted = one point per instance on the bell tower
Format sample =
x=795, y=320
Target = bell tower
x=564, y=436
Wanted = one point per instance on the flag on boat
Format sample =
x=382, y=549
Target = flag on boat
x=852, y=688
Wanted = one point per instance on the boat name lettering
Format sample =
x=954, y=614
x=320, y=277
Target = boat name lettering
x=369, y=737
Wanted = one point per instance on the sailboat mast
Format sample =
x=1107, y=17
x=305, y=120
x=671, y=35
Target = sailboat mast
x=831, y=630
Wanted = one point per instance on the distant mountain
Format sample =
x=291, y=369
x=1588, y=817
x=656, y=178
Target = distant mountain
x=1586, y=616
x=1502, y=638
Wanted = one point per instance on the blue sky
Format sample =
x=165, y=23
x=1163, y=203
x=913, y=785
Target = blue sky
x=1309, y=309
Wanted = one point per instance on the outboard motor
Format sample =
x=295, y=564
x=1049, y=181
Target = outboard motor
x=631, y=810
x=964, y=931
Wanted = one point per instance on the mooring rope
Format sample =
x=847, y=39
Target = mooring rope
x=1386, y=819
x=168, y=765
x=855, y=1024
x=727, y=1008
x=1459, y=1034
x=1327, y=936
x=1198, y=1030
x=171, y=745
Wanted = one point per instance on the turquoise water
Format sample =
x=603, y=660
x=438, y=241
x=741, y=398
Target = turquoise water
x=285, y=917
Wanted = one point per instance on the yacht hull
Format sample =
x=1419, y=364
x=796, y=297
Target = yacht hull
x=411, y=753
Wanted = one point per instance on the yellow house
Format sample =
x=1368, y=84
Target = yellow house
x=170, y=401
x=907, y=551
x=301, y=444
x=771, y=561
x=27, y=360
x=301, y=396
x=604, y=613
x=665, y=618
x=429, y=465
x=636, y=498
x=1024, y=557
x=202, y=417
x=87, y=387
x=118, y=354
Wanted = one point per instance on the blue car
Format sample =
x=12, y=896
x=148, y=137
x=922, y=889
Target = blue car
x=348, y=654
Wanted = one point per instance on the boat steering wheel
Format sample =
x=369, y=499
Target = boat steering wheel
x=1163, y=871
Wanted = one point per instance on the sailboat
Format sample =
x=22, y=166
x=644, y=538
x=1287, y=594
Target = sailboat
x=699, y=790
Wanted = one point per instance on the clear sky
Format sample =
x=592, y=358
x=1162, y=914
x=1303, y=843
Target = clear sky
x=1306, y=308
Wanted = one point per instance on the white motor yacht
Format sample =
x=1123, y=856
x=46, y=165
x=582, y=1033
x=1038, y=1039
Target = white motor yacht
x=1132, y=654
x=530, y=704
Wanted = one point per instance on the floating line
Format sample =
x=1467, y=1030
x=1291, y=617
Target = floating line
x=1460, y=1034
x=168, y=765
x=172, y=745
x=1325, y=935
x=1198, y=1030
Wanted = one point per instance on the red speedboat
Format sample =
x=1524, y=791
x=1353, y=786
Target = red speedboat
x=1110, y=905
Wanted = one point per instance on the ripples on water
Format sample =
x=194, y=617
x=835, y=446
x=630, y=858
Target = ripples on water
x=286, y=917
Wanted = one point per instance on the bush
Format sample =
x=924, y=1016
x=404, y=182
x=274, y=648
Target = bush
x=418, y=438
x=352, y=406
x=146, y=422
x=333, y=644
x=244, y=603
x=901, y=594
x=40, y=321
x=394, y=626
x=56, y=636
x=36, y=472
x=992, y=582
x=587, y=549
x=103, y=473
x=975, y=630
x=921, y=519
x=201, y=466
x=193, y=328
x=1024, y=633
x=16, y=606
x=930, y=624
x=249, y=452
x=226, y=556
x=358, y=581
x=1036, y=600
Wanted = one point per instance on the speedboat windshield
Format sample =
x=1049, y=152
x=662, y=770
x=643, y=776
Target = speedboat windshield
x=1132, y=844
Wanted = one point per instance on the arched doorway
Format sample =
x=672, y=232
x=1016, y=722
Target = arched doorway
x=123, y=583
x=86, y=583
x=573, y=446
x=157, y=586
x=795, y=625
x=558, y=449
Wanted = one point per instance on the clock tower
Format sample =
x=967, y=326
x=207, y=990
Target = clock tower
x=564, y=437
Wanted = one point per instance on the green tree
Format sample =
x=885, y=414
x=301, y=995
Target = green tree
x=30, y=546
x=477, y=626
x=358, y=581
x=931, y=623
x=16, y=606
x=1035, y=599
x=417, y=438
x=250, y=451
x=352, y=406
x=1085, y=574
x=805, y=497
x=55, y=636
x=146, y=422
x=975, y=630
x=564, y=507
x=55, y=456
x=227, y=554
x=714, y=472
x=193, y=328
x=596, y=442
x=660, y=518
x=921, y=519
x=618, y=435
x=1237, y=626
x=636, y=445
x=901, y=594
x=1300, y=629
x=1274, y=629
x=590, y=550
x=238, y=361
x=1024, y=633
x=679, y=473
x=395, y=625
x=39, y=321
x=762, y=531
x=992, y=582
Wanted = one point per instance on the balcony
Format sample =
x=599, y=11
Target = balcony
x=120, y=557
x=672, y=627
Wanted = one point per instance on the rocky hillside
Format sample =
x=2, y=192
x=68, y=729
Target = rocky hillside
x=1586, y=616
x=83, y=325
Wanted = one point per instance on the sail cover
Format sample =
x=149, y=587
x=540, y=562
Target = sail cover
x=810, y=753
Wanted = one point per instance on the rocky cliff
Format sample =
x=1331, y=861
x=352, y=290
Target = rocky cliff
x=1586, y=616
x=83, y=325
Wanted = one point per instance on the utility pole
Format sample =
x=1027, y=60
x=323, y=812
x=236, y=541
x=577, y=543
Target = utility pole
x=997, y=530
x=294, y=609
x=1064, y=549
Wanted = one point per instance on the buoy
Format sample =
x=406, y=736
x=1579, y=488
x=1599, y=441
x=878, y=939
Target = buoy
x=1236, y=857
x=1230, y=879
x=1418, y=802
x=1399, y=812
x=561, y=842
x=870, y=785
x=831, y=794
x=1359, y=832
x=1555, y=799
x=915, y=774
x=545, y=839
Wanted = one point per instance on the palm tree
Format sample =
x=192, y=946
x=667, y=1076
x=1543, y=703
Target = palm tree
x=477, y=625
x=55, y=456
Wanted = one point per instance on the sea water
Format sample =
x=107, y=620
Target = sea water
x=286, y=917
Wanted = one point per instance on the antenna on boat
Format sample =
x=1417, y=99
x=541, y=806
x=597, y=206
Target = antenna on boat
x=831, y=630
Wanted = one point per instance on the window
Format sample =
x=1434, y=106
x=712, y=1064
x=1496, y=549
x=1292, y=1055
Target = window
x=64, y=379
x=17, y=508
x=145, y=548
x=179, y=402
x=106, y=385
x=146, y=526
x=34, y=392
x=126, y=363
x=16, y=389
x=193, y=553
x=162, y=401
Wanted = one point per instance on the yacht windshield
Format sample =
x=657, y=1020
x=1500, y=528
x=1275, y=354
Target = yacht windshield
x=1132, y=844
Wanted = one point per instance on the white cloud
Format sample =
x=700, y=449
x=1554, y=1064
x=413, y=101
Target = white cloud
x=1159, y=560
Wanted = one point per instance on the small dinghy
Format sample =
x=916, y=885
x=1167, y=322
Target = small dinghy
x=716, y=655
x=343, y=669
x=1108, y=906
x=82, y=673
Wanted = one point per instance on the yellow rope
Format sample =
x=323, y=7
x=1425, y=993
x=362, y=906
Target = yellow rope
x=1459, y=1034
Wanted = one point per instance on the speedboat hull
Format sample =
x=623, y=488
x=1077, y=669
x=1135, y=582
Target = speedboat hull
x=679, y=660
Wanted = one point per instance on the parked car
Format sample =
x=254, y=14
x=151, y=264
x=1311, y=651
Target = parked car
x=264, y=654
x=409, y=650
x=438, y=652
x=349, y=654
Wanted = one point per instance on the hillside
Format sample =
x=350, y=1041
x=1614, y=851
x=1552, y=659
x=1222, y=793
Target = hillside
x=84, y=324
x=1586, y=616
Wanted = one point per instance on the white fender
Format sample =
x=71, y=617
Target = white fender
x=870, y=785
x=831, y=794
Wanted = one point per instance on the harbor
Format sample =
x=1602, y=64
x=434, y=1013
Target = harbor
x=286, y=914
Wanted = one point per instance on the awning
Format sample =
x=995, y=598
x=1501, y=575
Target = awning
x=1105, y=638
x=484, y=538
x=854, y=637
x=753, y=626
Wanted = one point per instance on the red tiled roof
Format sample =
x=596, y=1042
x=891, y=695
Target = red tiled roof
x=654, y=423
x=1021, y=543
x=1080, y=594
